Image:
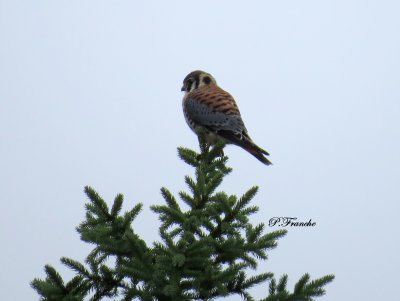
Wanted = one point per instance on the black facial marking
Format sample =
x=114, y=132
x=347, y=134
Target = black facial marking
x=194, y=78
x=189, y=84
x=206, y=80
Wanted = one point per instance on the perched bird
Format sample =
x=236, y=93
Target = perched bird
x=207, y=105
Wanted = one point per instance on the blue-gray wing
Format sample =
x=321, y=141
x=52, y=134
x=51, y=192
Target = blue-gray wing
x=199, y=113
x=216, y=110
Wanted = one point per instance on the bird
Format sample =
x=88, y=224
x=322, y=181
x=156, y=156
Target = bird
x=206, y=105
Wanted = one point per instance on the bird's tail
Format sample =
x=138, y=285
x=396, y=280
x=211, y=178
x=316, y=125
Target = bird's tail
x=245, y=142
x=257, y=152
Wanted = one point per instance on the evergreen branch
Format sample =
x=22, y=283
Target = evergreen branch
x=281, y=296
x=299, y=287
x=92, y=262
x=45, y=289
x=201, y=135
x=116, y=208
x=76, y=266
x=246, y=296
x=129, y=216
x=272, y=286
x=169, y=215
x=254, y=280
x=175, y=232
x=204, y=253
x=303, y=290
x=219, y=164
x=218, y=199
x=97, y=201
x=217, y=150
x=281, y=287
x=253, y=234
x=250, y=261
x=199, y=188
x=268, y=241
x=78, y=286
x=226, y=208
x=198, y=249
x=53, y=276
x=169, y=198
x=213, y=183
x=189, y=156
x=245, y=199
x=169, y=242
x=97, y=211
x=187, y=199
x=248, y=211
x=53, y=289
x=192, y=186
x=138, y=269
x=314, y=288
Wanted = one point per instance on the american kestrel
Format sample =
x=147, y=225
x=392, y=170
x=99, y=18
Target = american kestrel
x=207, y=105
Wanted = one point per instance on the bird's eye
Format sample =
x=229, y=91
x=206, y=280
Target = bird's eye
x=206, y=80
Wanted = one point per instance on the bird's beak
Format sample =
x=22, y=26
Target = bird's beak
x=183, y=88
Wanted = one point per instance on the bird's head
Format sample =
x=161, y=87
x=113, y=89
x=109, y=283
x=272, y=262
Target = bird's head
x=197, y=79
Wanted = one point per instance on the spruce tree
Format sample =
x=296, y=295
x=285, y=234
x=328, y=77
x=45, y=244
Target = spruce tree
x=205, y=251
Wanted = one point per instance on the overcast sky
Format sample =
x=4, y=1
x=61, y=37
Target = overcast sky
x=90, y=95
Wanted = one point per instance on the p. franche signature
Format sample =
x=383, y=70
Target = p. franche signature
x=289, y=222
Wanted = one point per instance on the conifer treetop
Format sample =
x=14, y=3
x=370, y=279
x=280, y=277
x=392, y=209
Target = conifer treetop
x=205, y=251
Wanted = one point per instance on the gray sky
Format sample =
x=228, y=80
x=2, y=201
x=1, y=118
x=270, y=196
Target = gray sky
x=90, y=95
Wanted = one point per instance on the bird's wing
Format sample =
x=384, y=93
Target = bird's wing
x=214, y=109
